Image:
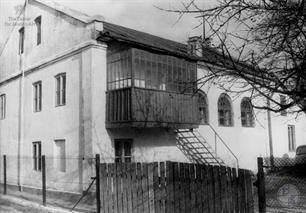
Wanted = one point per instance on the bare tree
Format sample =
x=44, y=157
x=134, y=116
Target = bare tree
x=262, y=48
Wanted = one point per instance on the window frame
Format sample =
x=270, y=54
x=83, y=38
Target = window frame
x=2, y=106
x=21, y=40
x=37, y=156
x=60, y=162
x=283, y=101
x=291, y=138
x=249, y=114
x=38, y=30
x=60, y=89
x=204, y=120
x=123, y=158
x=228, y=111
x=37, y=96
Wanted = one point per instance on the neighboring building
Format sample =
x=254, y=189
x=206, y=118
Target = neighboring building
x=72, y=86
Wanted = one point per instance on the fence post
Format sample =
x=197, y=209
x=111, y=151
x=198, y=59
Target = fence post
x=43, y=173
x=261, y=186
x=4, y=174
x=98, y=200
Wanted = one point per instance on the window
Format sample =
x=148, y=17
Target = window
x=225, y=113
x=291, y=138
x=38, y=30
x=151, y=71
x=60, y=89
x=123, y=150
x=60, y=155
x=247, y=117
x=203, y=108
x=37, y=156
x=21, y=40
x=37, y=92
x=283, y=102
x=2, y=106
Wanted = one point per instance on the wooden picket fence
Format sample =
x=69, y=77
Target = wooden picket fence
x=170, y=187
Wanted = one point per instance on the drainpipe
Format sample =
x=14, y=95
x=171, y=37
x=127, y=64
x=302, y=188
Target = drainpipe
x=21, y=105
x=270, y=134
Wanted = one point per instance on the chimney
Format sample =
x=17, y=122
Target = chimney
x=194, y=46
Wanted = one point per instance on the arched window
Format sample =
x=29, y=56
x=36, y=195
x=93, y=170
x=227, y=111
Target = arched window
x=247, y=117
x=203, y=108
x=225, y=111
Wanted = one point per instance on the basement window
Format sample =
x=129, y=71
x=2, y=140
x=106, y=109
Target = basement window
x=123, y=150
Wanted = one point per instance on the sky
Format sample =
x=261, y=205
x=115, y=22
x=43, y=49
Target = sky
x=142, y=15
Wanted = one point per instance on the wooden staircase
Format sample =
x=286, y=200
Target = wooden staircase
x=196, y=148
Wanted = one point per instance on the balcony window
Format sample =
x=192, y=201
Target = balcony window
x=162, y=72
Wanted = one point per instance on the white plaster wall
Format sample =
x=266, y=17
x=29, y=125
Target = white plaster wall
x=59, y=33
x=52, y=122
x=248, y=143
x=9, y=130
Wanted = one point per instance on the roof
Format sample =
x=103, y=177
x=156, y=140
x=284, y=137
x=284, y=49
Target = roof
x=150, y=41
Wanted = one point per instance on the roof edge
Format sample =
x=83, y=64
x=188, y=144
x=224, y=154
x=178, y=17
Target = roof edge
x=84, y=18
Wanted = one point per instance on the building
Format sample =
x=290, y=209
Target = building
x=73, y=86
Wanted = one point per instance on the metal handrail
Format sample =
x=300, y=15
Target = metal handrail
x=216, y=134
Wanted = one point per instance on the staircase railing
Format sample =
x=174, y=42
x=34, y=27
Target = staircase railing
x=216, y=135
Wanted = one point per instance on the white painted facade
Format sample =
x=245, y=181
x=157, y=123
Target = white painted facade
x=69, y=46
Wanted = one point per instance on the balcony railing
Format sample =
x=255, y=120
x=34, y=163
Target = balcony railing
x=139, y=107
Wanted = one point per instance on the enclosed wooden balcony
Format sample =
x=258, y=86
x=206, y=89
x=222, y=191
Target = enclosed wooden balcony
x=150, y=90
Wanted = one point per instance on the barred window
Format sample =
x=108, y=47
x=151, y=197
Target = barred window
x=247, y=115
x=225, y=112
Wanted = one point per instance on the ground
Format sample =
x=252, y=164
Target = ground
x=9, y=204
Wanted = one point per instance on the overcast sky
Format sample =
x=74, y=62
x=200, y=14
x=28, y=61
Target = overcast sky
x=136, y=14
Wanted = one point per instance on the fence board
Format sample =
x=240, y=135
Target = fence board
x=211, y=191
x=129, y=188
x=139, y=189
x=134, y=187
x=103, y=189
x=175, y=188
x=249, y=189
x=187, y=186
x=182, y=189
x=217, y=194
x=176, y=178
x=230, y=192
x=192, y=188
x=169, y=187
x=156, y=187
x=145, y=188
x=151, y=187
x=162, y=188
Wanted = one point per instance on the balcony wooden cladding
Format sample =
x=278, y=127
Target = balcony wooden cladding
x=137, y=107
x=150, y=90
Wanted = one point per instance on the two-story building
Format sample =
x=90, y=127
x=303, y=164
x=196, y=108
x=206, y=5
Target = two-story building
x=73, y=86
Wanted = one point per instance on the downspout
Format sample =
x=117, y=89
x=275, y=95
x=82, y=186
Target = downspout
x=21, y=103
x=270, y=134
